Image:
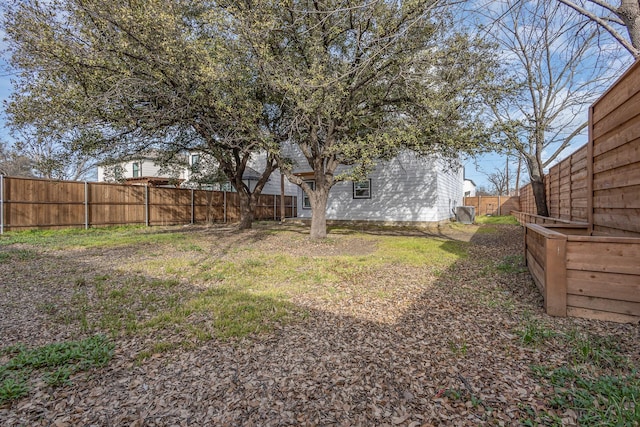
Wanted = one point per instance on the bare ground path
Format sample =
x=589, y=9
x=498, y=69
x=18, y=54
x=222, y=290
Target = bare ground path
x=445, y=350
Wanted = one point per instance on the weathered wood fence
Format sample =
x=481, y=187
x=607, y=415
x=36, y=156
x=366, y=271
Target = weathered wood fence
x=27, y=203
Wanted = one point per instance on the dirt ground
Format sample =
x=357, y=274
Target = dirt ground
x=443, y=352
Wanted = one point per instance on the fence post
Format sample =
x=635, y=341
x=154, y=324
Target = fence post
x=193, y=209
x=1, y=204
x=499, y=205
x=282, y=207
x=555, y=275
x=86, y=205
x=275, y=208
x=224, y=209
x=146, y=205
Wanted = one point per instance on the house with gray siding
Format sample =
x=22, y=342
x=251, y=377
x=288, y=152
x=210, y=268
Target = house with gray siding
x=409, y=189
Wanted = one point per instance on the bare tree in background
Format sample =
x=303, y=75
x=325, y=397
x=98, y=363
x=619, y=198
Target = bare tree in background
x=13, y=163
x=558, y=69
x=498, y=182
x=615, y=18
x=52, y=158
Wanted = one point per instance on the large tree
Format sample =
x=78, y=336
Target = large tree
x=614, y=17
x=354, y=82
x=558, y=70
x=115, y=79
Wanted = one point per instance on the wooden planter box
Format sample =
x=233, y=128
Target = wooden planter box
x=595, y=277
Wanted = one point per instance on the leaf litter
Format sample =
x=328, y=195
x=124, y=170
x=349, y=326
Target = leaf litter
x=442, y=348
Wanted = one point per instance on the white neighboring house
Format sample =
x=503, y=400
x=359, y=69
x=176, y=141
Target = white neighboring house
x=408, y=189
x=144, y=170
x=469, y=188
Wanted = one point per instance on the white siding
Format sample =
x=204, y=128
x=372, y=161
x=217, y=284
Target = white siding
x=147, y=169
x=450, y=189
x=407, y=188
x=469, y=187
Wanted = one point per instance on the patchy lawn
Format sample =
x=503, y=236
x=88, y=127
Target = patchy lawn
x=208, y=325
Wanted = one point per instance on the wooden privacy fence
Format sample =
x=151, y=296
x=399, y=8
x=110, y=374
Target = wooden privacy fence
x=600, y=183
x=592, y=269
x=493, y=205
x=36, y=203
x=566, y=188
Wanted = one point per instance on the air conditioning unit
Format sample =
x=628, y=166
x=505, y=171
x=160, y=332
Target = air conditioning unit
x=466, y=214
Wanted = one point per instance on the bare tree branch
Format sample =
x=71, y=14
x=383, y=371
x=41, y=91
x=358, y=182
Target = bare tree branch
x=605, y=23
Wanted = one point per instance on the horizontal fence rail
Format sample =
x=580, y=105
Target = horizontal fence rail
x=27, y=203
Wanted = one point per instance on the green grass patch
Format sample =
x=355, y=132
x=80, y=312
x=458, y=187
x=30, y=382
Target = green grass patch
x=602, y=352
x=230, y=314
x=489, y=219
x=599, y=385
x=12, y=255
x=54, y=363
x=94, y=237
x=420, y=251
x=534, y=332
x=606, y=400
x=239, y=292
x=512, y=264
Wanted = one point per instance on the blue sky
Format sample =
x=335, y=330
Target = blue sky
x=5, y=92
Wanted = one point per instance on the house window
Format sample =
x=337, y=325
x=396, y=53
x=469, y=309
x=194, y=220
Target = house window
x=362, y=189
x=195, y=159
x=136, y=170
x=306, y=203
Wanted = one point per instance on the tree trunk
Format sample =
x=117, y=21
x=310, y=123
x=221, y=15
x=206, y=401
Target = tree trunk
x=234, y=170
x=536, y=173
x=319, y=213
x=247, y=210
x=540, y=195
x=629, y=13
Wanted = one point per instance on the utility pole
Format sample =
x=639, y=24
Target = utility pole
x=507, y=175
x=518, y=174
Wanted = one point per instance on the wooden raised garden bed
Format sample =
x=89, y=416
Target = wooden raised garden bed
x=596, y=277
